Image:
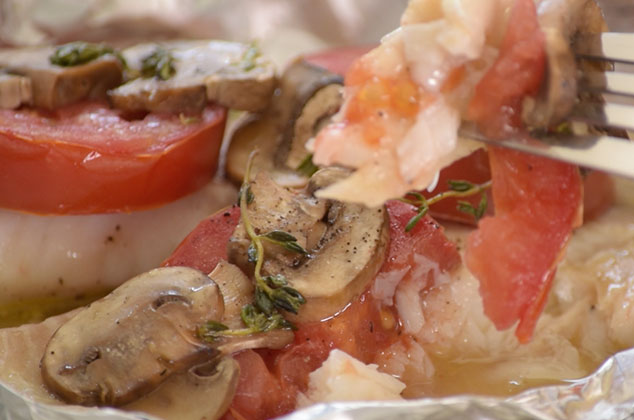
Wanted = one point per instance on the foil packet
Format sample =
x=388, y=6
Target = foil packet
x=284, y=29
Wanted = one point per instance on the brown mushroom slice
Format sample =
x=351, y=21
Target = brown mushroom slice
x=213, y=71
x=237, y=290
x=276, y=208
x=307, y=96
x=14, y=91
x=561, y=21
x=56, y=86
x=203, y=392
x=341, y=263
x=124, y=345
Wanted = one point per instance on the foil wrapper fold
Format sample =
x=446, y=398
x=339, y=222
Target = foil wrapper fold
x=607, y=394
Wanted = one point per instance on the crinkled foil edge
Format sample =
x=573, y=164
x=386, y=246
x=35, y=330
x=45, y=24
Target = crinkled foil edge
x=606, y=394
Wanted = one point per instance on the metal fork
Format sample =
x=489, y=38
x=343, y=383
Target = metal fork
x=596, y=151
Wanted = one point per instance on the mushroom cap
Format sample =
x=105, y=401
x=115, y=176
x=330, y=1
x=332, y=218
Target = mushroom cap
x=307, y=96
x=205, y=71
x=561, y=21
x=203, y=392
x=127, y=343
x=346, y=242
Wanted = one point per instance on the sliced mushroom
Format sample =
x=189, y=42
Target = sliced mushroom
x=55, y=86
x=203, y=392
x=14, y=91
x=307, y=97
x=125, y=344
x=562, y=22
x=212, y=71
x=237, y=291
x=346, y=256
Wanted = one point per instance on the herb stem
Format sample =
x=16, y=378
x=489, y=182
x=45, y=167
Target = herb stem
x=458, y=189
x=255, y=238
x=477, y=188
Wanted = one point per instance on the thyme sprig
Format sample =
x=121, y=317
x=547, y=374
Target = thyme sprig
x=272, y=292
x=457, y=189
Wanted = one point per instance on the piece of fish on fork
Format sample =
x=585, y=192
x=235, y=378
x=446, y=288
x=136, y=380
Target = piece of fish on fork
x=606, y=102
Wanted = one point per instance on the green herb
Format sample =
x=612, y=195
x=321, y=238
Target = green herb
x=477, y=212
x=187, y=120
x=285, y=240
x=272, y=292
x=248, y=60
x=76, y=53
x=457, y=188
x=159, y=63
x=307, y=167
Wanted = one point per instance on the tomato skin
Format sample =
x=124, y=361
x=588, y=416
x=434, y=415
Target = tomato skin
x=426, y=238
x=337, y=60
x=206, y=245
x=598, y=187
x=517, y=72
x=598, y=194
x=514, y=254
x=71, y=162
x=258, y=394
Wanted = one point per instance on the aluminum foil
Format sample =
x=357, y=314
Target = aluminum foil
x=286, y=28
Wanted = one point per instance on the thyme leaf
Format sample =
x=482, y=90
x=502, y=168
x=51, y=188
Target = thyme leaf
x=277, y=280
x=80, y=52
x=476, y=212
x=459, y=185
x=248, y=60
x=414, y=220
x=307, y=167
x=285, y=240
x=280, y=236
x=159, y=63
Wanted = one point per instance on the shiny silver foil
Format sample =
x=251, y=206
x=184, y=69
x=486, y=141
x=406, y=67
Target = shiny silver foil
x=284, y=29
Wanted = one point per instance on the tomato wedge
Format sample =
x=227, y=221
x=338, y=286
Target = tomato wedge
x=517, y=72
x=337, y=60
x=87, y=158
x=537, y=201
x=206, y=245
x=270, y=380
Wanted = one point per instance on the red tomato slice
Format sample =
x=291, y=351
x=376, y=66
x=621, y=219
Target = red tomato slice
x=270, y=380
x=206, y=245
x=598, y=187
x=514, y=254
x=258, y=395
x=517, y=72
x=337, y=60
x=537, y=201
x=87, y=158
x=364, y=328
x=598, y=194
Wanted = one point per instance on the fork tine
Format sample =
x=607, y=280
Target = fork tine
x=604, y=114
x=611, y=82
x=610, y=46
x=600, y=152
